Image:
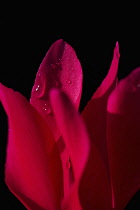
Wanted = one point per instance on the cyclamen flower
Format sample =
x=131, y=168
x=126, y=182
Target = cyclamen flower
x=58, y=158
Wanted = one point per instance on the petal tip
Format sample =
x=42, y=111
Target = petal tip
x=117, y=43
x=59, y=41
x=116, y=50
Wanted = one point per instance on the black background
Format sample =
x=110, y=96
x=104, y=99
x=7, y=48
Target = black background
x=27, y=33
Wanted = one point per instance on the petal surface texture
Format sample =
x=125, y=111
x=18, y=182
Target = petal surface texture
x=60, y=68
x=33, y=170
x=90, y=188
x=95, y=112
x=123, y=133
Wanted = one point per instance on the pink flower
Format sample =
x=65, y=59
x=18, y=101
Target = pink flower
x=58, y=159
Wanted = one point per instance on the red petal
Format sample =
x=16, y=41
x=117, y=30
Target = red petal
x=60, y=68
x=33, y=166
x=94, y=113
x=90, y=189
x=123, y=130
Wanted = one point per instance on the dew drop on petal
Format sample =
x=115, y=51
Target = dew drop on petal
x=48, y=111
x=39, y=91
x=37, y=88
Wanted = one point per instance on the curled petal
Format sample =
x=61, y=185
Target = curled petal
x=95, y=112
x=90, y=185
x=123, y=135
x=33, y=170
x=60, y=68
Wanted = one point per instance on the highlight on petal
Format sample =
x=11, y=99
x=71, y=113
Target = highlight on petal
x=90, y=188
x=123, y=137
x=95, y=112
x=33, y=170
x=60, y=68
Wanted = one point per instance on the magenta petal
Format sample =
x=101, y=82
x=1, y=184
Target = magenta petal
x=59, y=69
x=90, y=188
x=95, y=112
x=123, y=132
x=33, y=166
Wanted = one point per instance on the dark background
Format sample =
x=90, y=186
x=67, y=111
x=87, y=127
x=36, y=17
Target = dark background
x=26, y=35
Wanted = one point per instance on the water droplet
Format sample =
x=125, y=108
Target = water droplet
x=68, y=81
x=68, y=164
x=49, y=111
x=37, y=88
